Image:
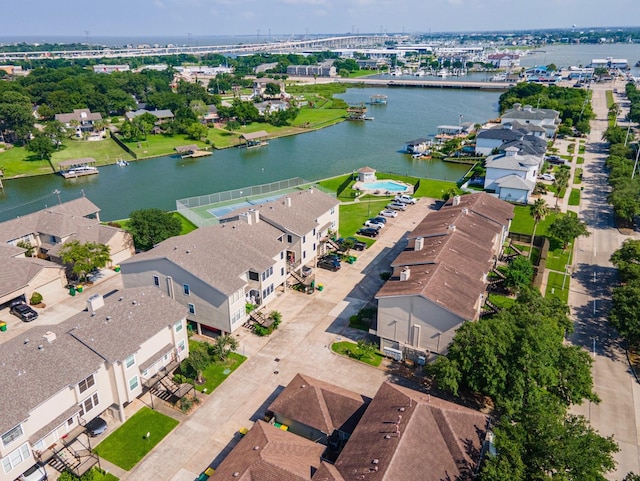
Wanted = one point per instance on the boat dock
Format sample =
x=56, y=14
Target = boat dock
x=254, y=139
x=191, y=151
x=73, y=168
x=440, y=83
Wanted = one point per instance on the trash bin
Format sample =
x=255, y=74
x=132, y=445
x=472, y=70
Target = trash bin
x=72, y=291
x=79, y=288
x=320, y=287
x=3, y=326
x=116, y=268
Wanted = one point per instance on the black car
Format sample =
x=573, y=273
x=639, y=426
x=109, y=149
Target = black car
x=380, y=219
x=368, y=231
x=356, y=244
x=330, y=263
x=96, y=426
x=24, y=312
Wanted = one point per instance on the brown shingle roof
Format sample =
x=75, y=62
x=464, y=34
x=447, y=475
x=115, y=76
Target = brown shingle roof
x=408, y=435
x=319, y=405
x=267, y=453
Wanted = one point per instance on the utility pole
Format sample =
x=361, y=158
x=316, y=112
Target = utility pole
x=635, y=164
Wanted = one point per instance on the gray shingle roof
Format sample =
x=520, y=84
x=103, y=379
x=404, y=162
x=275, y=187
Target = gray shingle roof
x=499, y=133
x=79, y=115
x=514, y=181
x=219, y=254
x=512, y=162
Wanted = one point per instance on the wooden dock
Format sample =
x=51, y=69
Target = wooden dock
x=191, y=151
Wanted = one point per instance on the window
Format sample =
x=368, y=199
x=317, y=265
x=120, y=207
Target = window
x=267, y=291
x=133, y=383
x=181, y=346
x=268, y=273
x=304, y=239
x=86, y=384
x=130, y=361
x=254, y=276
x=304, y=254
x=15, y=458
x=70, y=422
x=282, y=271
x=186, y=289
x=192, y=308
x=237, y=316
x=281, y=255
x=314, y=231
x=333, y=210
x=178, y=326
x=11, y=435
x=289, y=238
x=156, y=281
x=89, y=403
x=314, y=246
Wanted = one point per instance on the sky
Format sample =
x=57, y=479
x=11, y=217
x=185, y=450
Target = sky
x=259, y=18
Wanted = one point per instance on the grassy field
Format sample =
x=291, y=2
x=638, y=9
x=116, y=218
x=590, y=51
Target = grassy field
x=128, y=444
x=17, y=162
x=580, y=160
x=216, y=373
x=574, y=197
x=345, y=348
x=352, y=216
x=501, y=301
x=554, y=286
x=100, y=475
x=523, y=222
x=558, y=258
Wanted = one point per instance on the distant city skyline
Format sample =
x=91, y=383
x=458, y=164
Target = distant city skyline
x=190, y=19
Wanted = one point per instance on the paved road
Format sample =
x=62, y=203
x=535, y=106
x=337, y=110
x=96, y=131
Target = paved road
x=590, y=301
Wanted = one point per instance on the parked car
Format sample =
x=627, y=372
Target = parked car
x=550, y=177
x=96, y=426
x=380, y=219
x=357, y=244
x=373, y=223
x=397, y=206
x=23, y=311
x=369, y=232
x=330, y=263
x=405, y=199
x=306, y=270
x=34, y=473
x=389, y=213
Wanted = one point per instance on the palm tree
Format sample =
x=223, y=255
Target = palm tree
x=561, y=182
x=538, y=211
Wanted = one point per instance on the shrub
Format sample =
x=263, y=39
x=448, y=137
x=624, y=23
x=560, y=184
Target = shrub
x=261, y=331
x=180, y=378
x=385, y=276
x=36, y=298
x=250, y=307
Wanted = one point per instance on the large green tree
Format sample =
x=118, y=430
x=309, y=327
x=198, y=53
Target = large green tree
x=627, y=260
x=567, y=228
x=85, y=258
x=41, y=146
x=151, y=226
x=625, y=313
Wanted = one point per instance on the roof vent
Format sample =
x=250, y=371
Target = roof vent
x=236, y=474
x=419, y=244
x=108, y=318
x=405, y=273
x=26, y=341
x=50, y=336
x=375, y=461
x=40, y=347
x=287, y=201
x=255, y=448
x=95, y=302
x=134, y=302
x=456, y=200
x=452, y=227
x=120, y=298
x=465, y=211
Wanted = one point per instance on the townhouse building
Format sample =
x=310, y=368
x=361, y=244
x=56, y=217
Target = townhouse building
x=57, y=378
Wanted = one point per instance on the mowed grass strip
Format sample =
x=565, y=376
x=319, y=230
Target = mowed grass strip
x=128, y=444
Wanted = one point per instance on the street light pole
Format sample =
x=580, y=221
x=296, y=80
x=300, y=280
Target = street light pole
x=635, y=164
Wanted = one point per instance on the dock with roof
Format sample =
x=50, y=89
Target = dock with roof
x=191, y=151
x=252, y=140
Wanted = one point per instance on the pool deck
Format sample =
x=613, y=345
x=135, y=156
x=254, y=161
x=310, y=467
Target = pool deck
x=373, y=189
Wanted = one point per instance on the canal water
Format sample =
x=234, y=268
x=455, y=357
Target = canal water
x=409, y=114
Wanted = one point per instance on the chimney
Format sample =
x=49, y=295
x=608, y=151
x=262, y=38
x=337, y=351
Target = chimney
x=50, y=336
x=465, y=211
x=287, y=201
x=95, y=302
x=517, y=106
x=456, y=200
x=404, y=275
x=419, y=244
x=251, y=217
x=451, y=227
x=527, y=108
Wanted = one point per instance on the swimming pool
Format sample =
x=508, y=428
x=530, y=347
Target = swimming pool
x=383, y=185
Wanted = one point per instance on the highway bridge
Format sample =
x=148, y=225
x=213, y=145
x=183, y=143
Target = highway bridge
x=287, y=46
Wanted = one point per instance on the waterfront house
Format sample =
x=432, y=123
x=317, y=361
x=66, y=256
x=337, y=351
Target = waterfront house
x=546, y=118
x=439, y=280
x=528, y=137
x=82, y=121
x=416, y=146
x=215, y=271
x=57, y=378
x=162, y=116
x=402, y=435
x=510, y=163
x=30, y=253
x=211, y=116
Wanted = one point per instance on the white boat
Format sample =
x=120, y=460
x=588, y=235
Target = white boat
x=443, y=73
x=121, y=162
x=419, y=73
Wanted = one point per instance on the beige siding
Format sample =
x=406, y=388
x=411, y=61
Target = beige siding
x=50, y=283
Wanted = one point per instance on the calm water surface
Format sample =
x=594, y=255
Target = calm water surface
x=410, y=113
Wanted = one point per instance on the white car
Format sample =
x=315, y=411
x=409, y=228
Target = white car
x=374, y=224
x=405, y=199
x=34, y=473
x=389, y=213
x=396, y=206
x=550, y=177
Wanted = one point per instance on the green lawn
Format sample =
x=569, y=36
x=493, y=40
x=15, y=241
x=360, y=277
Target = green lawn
x=571, y=147
x=609, y=96
x=582, y=149
x=523, y=222
x=156, y=145
x=557, y=258
x=501, y=301
x=574, y=197
x=128, y=444
x=352, y=216
x=17, y=162
x=554, y=286
x=346, y=347
x=100, y=475
x=311, y=118
x=577, y=176
x=580, y=160
x=216, y=373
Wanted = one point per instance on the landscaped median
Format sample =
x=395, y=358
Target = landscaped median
x=131, y=442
